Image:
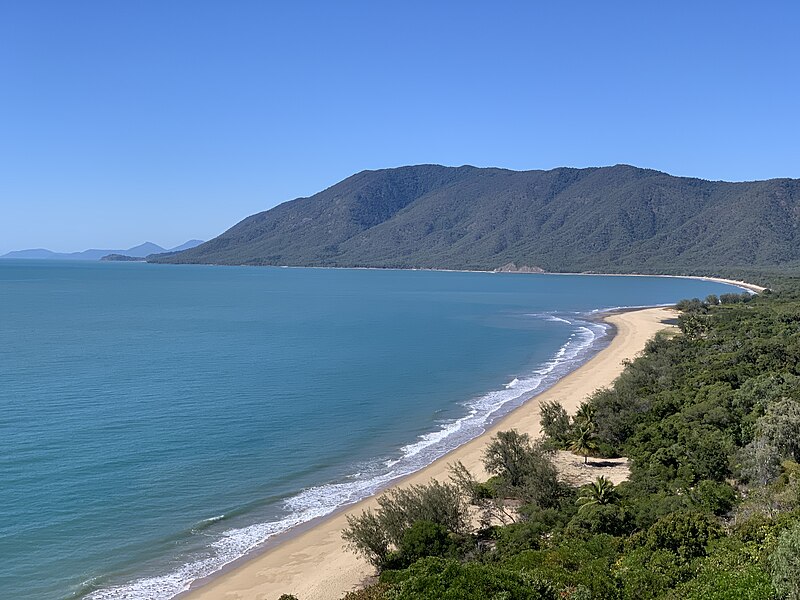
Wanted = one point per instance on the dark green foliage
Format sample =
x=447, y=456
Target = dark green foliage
x=440, y=579
x=423, y=538
x=583, y=440
x=644, y=573
x=713, y=497
x=584, y=565
x=733, y=570
x=611, y=219
x=600, y=518
x=599, y=492
x=516, y=537
x=749, y=582
x=528, y=534
x=556, y=424
x=684, y=534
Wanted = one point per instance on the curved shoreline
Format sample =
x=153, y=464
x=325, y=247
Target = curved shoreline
x=311, y=562
x=750, y=287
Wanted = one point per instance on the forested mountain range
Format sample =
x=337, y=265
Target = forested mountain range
x=606, y=219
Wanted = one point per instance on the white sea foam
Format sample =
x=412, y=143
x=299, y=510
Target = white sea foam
x=319, y=501
x=613, y=308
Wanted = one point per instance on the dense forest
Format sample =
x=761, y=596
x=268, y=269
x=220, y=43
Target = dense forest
x=618, y=219
x=709, y=416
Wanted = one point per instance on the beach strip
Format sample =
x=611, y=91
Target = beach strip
x=313, y=564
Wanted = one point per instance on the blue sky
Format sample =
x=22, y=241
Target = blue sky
x=167, y=120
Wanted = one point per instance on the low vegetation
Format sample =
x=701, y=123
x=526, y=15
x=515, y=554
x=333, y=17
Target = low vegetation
x=710, y=419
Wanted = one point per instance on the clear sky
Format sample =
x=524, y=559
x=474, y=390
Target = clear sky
x=166, y=120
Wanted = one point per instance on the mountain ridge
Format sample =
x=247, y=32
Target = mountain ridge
x=620, y=219
x=141, y=251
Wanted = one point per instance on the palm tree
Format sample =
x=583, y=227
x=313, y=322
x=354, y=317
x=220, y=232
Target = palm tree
x=600, y=492
x=585, y=415
x=583, y=442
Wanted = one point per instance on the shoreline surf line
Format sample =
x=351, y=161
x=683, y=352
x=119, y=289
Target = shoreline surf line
x=311, y=561
x=310, y=504
x=750, y=287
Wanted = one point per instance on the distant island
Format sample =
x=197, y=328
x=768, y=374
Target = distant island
x=619, y=219
x=123, y=258
x=139, y=252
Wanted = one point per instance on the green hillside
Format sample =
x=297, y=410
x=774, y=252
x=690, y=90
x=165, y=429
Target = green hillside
x=610, y=219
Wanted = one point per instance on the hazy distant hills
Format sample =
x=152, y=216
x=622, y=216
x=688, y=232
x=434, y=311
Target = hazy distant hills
x=611, y=219
x=140, y=251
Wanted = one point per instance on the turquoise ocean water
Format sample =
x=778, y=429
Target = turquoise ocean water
x=157, y=422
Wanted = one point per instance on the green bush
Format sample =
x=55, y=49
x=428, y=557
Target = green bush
x=645, y=573
x=443, y=579
x=556, y=424
x=713, y=497
x=376, y=591
x=785, y=563
x=685, y=534
x=423, y=538
x=747, y=583
x=600, y=518
x=374, y=533
x=524, y=468
x=573, y=566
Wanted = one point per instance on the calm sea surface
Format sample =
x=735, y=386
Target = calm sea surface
x=157, y=422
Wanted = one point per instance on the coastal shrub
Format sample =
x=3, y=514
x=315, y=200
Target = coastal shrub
x=447, y=579
x=440, y=503
x=759, y=462
x=525, y=468
x=365, y=534
x=373, y=534
x=733, y=570
x=528, y=534
x=573, y=564
x=685, y=534
x=747, y=583
x=600, y=518
x=735, y=298
x=556, y=424
x=423, y=538
x=780, y=427
x=642, y=573
x=714, y=497
x=785, y=563
x=518, y=537
x=509, y=455
x=376, y=591
x=692, y=305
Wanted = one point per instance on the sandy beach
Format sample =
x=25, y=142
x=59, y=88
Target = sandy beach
x=314, y=565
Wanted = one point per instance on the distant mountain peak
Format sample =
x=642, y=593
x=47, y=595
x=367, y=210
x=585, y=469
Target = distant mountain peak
x=140, y=251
